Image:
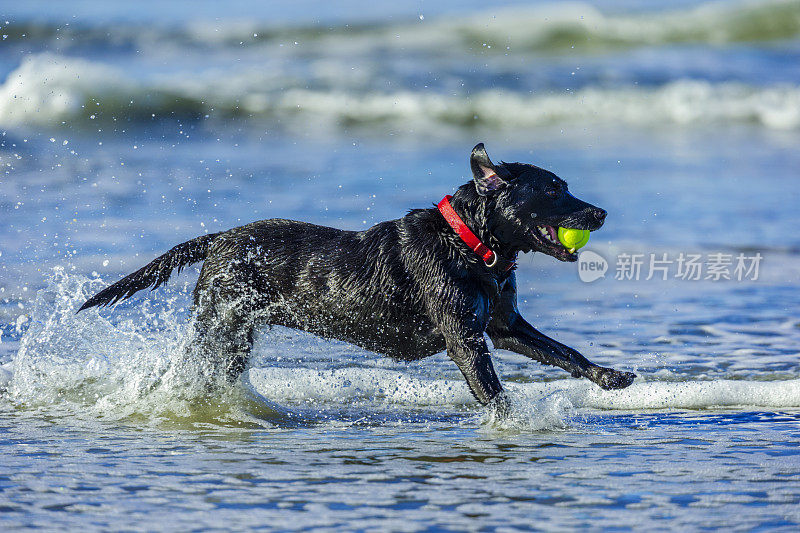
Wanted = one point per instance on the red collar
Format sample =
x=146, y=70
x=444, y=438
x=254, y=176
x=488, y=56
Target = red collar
x=469, y=238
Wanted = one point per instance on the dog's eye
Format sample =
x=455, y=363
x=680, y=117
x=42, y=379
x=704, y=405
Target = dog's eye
x=552, y=192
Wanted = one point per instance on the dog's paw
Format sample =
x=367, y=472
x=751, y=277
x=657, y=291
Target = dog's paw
x=611, y=379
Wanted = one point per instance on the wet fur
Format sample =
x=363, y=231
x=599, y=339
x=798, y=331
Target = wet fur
x=406, y=288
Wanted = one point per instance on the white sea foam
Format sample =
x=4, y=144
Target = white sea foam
x=341, y=385
x=643, y=395
x=48, y=89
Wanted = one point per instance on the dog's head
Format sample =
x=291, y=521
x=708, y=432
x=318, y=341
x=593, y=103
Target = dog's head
x=525, y=205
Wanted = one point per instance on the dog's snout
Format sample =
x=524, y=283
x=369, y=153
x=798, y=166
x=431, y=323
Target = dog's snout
x=599, y=214
x=596, y=217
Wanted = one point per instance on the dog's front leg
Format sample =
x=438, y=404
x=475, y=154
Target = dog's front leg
x=461, y=314
x=472, y=357
x=524, y=339
x=510, y=331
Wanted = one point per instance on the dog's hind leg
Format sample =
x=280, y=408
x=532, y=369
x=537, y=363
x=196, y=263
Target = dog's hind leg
x=223, y=339
x=223, y=325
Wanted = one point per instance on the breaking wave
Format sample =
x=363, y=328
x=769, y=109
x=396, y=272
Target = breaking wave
x=561, y=26
x=53, y=90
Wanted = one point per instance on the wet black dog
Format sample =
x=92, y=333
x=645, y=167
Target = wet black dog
x=407, y=288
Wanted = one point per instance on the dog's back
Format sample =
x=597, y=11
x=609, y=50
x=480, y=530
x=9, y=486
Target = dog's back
x=334, y=283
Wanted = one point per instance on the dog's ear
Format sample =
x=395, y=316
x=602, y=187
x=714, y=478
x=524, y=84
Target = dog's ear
x=484, y=172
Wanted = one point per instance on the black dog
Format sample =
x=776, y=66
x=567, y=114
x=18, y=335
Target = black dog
x=407, y=288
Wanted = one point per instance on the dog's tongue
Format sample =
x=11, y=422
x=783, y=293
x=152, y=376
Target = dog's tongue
x=553, y=233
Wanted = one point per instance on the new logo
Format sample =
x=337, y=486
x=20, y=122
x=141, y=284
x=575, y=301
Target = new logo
x=591, y=266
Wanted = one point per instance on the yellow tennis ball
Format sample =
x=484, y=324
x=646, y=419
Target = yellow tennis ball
x=573, y=238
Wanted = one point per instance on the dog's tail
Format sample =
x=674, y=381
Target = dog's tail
x=154, y=273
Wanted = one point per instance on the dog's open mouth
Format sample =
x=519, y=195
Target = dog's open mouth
x=546, y=238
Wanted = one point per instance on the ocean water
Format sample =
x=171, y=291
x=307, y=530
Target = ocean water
x=126, y=129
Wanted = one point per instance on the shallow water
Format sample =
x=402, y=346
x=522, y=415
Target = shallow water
x=622, y=471
x=123, y=136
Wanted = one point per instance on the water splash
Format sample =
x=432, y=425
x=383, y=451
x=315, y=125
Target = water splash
x=118, y=365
